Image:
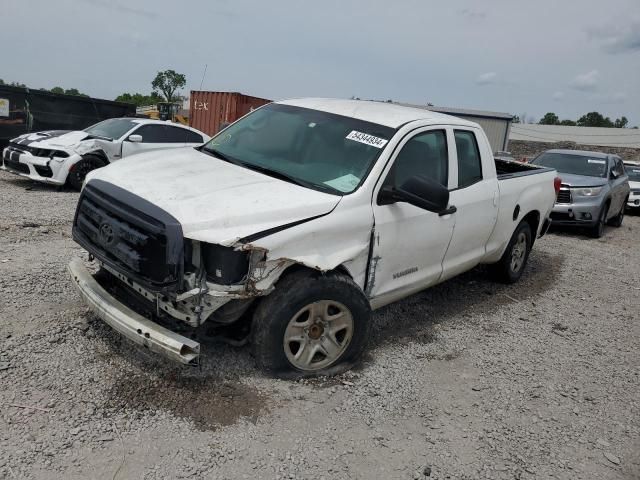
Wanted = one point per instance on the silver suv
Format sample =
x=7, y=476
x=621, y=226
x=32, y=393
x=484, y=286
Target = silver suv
x=594, y=189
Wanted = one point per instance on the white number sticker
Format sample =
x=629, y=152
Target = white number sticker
x=367, y=139
x=599, y=162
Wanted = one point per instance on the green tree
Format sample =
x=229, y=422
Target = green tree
x=594, y=119
x=167, y=83
x=57, y=90
x=74, y=91
x=569, y=123
x=140, y=100
x=621, y=122
x=549, y=118
x=516, y=119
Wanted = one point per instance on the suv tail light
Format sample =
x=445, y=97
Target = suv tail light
x=557, y=182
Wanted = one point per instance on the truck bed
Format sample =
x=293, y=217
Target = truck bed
x=509, y=169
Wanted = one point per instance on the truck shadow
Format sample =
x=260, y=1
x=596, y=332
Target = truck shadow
x=462, y=298
x=214, y=394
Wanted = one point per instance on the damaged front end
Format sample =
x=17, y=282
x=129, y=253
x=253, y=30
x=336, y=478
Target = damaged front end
x=153, y=272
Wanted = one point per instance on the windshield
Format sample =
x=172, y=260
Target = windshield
x=574, y=164
x=112, y=128
x=316, y=149
x=633, y=171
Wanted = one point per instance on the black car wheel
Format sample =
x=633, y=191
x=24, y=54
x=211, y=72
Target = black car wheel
x=80, y=170
x=312, y=324
x=598, y=229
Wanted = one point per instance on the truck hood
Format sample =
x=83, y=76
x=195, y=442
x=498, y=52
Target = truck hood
x=215, y=201
x=581, y=180
x=52, y=139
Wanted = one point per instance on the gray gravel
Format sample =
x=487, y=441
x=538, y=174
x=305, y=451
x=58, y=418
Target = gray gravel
x=468, y=380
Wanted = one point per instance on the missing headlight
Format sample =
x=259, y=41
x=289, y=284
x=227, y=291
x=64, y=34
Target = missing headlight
x=224, y=265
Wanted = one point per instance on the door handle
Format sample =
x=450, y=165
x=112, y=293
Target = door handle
x=448, y=211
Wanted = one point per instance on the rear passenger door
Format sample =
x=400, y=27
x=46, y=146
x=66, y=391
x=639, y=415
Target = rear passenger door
x=475, y=195
x=155, y=137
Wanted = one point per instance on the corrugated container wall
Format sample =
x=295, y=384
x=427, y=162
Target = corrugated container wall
x=210, y=110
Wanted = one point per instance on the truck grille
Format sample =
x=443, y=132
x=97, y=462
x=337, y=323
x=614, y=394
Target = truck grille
x=131, y=235
x=564, y=195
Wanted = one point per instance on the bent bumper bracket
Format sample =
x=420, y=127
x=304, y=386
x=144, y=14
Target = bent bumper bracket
x=129, y=323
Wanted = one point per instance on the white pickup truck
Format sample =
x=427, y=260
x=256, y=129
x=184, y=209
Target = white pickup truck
x=296, y=221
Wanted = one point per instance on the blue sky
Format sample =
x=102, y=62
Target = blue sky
x=569, y=57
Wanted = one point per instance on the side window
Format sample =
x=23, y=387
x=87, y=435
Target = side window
x=151, y=133
x=469, y=163
x=620, y=167
x=177, y=134
x=425, y=154
x=192, y=137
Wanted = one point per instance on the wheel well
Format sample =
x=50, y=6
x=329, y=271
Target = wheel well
x=100, y=155
x=533, y=219
x=297, y=267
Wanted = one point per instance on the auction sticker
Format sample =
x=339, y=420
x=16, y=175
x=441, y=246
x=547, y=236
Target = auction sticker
x=367, y=139
x=593, y=160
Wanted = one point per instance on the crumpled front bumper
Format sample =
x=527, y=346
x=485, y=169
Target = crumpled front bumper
x=129, y=323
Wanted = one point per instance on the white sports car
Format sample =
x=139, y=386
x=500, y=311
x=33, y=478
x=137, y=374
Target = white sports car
x=60, y=156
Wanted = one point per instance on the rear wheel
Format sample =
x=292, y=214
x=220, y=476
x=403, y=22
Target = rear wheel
x=80, y=170
x=510, y=267
x=598, y=229
x=617, y=220
x=311, y=325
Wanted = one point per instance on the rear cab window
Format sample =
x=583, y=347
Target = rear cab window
x=469, y=160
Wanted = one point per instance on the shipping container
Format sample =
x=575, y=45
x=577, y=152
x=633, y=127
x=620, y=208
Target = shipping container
x=23, y=110
x=209, y=111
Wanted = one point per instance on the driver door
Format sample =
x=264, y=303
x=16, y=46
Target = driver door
x=410, y=243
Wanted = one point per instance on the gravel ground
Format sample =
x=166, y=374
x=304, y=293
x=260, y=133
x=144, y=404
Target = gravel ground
x=468, y=380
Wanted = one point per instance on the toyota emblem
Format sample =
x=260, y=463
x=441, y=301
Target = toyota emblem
x=106, y=234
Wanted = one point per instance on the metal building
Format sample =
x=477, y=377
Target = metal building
x=496, y=125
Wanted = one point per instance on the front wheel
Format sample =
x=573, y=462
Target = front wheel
x=597, y=230
x=311, y=325
x=79, y=171
x=511, y=265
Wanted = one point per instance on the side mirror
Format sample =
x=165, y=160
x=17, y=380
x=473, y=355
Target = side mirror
x=135, y=138
x=421, y=192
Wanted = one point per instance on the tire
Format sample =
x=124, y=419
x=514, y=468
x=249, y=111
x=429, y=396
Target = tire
x=598, y=229
x=79, y=170
x=514, y=259
x=311, y=325
x=617, y=220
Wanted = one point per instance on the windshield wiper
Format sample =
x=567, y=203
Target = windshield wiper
x=221, y=156
x=289, y=178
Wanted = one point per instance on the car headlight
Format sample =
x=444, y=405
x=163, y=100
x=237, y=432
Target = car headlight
x=586, y=191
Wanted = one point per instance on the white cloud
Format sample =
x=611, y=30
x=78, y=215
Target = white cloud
x=558, y=96
x=472, y=14
x=486, y=78
x=587, y=82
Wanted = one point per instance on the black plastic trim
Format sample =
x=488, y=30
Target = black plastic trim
x=138, y=211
